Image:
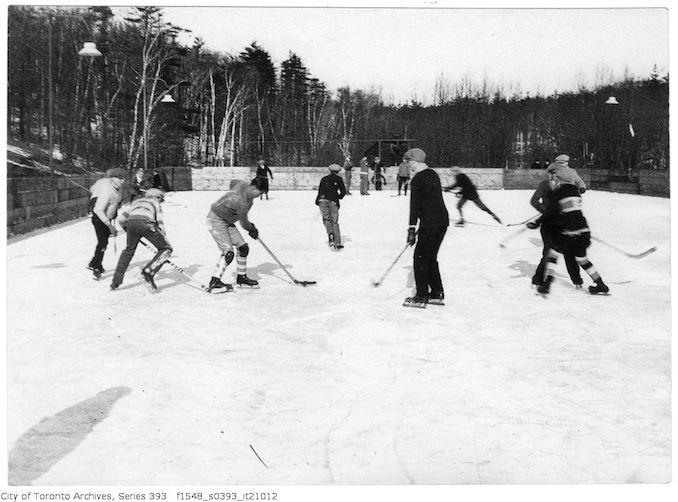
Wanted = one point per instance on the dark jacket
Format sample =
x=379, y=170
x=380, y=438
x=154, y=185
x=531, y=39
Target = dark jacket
x=264, y=172
x=331, y=188
x=466, y=186
x=426, y=201
x=563, y=211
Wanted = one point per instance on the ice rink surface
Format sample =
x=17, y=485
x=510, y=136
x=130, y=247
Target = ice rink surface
x=338, y=384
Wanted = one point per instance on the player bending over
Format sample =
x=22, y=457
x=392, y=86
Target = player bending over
x=144, y=219
x=466, y=190
x=221, y=219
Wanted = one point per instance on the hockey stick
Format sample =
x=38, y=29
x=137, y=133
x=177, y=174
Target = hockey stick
x=523, y=222
x=502, y=244
x=626, y=253
x=301, y=283
x=376, y=284
x=178, y=269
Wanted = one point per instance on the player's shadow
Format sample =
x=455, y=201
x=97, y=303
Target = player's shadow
x=178, y=278
x=53, y=438
x=536, y=241
x=267, y=269
x=50, y=265
x=524, y=269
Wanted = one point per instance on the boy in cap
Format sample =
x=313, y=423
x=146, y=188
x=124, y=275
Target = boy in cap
x=330, y=190
x=571, y=232
x=221, y=218
x=427, y=207
x=144, y=220
x=466, y=190
x=105, y=198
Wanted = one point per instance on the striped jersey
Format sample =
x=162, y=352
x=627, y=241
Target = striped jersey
x=563, y=209
x=146, y=209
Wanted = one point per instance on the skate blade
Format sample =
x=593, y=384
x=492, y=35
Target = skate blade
x=600, y=294
x=220, y=291
x=436, y=302
x=415, y=305
x=246, y=286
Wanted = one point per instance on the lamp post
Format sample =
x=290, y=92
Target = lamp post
x=613, y=102
x=89, y=50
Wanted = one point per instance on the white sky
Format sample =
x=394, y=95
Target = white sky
x=404, y=49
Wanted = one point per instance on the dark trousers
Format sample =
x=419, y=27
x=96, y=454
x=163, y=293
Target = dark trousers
x=547, y=237
x=136, y=230
x=426, y=271
x=402, y=183
x=103, y=233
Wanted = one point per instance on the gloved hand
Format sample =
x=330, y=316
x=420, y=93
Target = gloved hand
x=254, y=233
x=532, y=225
x=411, y=236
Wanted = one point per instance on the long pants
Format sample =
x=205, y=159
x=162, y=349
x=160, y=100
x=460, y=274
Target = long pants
x=575, y=245
x=364, y=184
x=330, y=212
x=136, y=230
x=347, y=177
x=477, y=202
x=103, y=233
x=402, y=183
x=570, y=259
x=426, y=271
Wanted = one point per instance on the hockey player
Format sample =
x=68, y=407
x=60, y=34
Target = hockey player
x=224, y=213
x=144, y=220
x=330, y=190
x=539, y=200
x=364, y=176
x=403, y=177
x=427, y=207
x=263, y=172
x=563, y=212
x=105, y=198
x=466, y=190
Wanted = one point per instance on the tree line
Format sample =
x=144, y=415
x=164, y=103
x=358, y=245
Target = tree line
x=231, y=109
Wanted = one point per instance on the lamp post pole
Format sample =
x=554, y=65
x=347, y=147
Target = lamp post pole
x=50, y=94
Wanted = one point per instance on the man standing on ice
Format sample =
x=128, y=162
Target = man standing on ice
x=467, y=191
x=144, y=220
x=427, y=207
x=330, y=190
x=571, y=235
x=105, y=199
x=221, y=219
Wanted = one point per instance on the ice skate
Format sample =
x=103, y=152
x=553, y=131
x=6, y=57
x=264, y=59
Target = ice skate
x=216, y=286
x=460, y=223
x=331, y=243
x=150, y=283
x=415, y=301
x=545, y=288
x=245, y=282
x=96, y=272
x=600, y=288
x=436, y=298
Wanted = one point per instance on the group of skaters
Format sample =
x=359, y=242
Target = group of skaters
x=558, y=199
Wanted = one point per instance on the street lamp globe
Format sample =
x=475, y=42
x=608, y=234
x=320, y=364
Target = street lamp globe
x=90, y=50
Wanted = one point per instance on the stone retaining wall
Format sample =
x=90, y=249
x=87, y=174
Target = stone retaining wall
x=37, y=202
